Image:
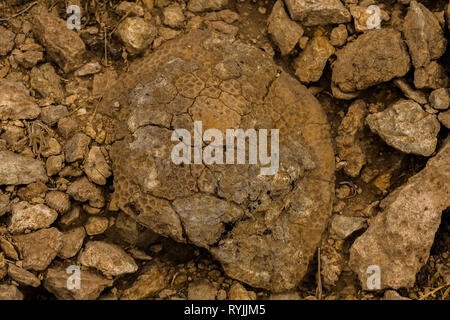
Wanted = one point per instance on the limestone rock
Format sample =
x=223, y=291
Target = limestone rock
x=343, y=226
x=46, y=81
x=338, y=36
x=206, y=5
x=318, y=12
x=432, y=76
x=136, y=34
x=400, y=237
x=416, y=95
x=238, y=292
x=440, y=99
x=96, y=225
x=444, y=118
x=16, y=169
x=15, y=102
x=77, y=147
x=10, y=292
x=72, y=242
x=96, y=167
x=25, y=216
x=83, y=190
x=6, y=41
x=51, y=114
x=201, y=290
x=23, y=276
x=406, y=127
x=173, y=16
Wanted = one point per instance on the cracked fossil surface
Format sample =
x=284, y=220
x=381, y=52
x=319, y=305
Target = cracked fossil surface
x=264, y=230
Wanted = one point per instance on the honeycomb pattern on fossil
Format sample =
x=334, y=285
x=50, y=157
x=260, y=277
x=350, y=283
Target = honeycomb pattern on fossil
x=263, y=229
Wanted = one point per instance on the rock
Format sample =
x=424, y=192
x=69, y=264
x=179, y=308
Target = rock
x=54, y=164
x=432, y=76
x=103, y=82
x=15, y=102
x=201, y=290
x=62, y=45
x=311, y=62
x=136, y=34
x=39, y=248
x=361, y=17
x=338, y=36
x=46, y=81
x=444, y=118
x=406, y=127
x=223, y=27
x=8, y=249
x=238, y=292
x=423, y=34
x=318, y=12
x=4, y=204
x=416, y=95
x=51, y=147
x=284, y=32
x=72, y=242
x=147, y=182
x=77, y=147
x=108, y=258
x=88, y=69
x=339, y=94
x=91, y=285
x=3, y=266
x=28, y=59
x=82, y=190
x=440, y=99
x=385, y=57
x=23, y=276
x=343, y=226
x=173, y=16
x=50, y=115
x=292, y=295
x=96, y=225
x=71, y=217
x=154, y=277
x=131, y=8
x=206, y=5
x=347, y=141
x=332, y=263
x=393, y=295
x=6, y=41
x=397, y=250
x=58, y=201
x=67, y=127
x=25, y=216
x=10, y=292
x=16, y=169
x=96, y=167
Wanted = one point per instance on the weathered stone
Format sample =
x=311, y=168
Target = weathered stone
x=15, y=102
x=400, y=237
x=374, y=57
x=440, y=99
x=67, y=127
x=136, y=34
x=96, y=225
x=10, y=292
x=51, y=147
x=444, y=118
x=130, y=8
x=46, y=81
x=285, y=32
x=4, y=204
x=8, y=249
x=83, y=190
x=28, y=59
x=201, y=290
x=39, y=248
x=6, y=41
x=432, y=76
x=393, y=295
x=206, y=5
x=72, y=242
x=96, y=167
x=406, y=127
x=332, y=263
x=108, y=258
x=3, y=266
x=77, y=147
x=238, y=292
x=25, y=216
x=338, y=36
x=343, y=226
x=219, y=82
x=58, y=201
x=318, y=12
x=54, y=164
x=17, y=169
x=23, y=276
x=347, y=141
x=51, y=114
x=173, y=16
x=423, y=34
x=91, y=285
x=88, y=69
x=63, y=46
x=416, y=95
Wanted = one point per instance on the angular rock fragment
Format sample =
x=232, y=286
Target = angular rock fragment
x=406, y=127
x=440, y=99
x=4, y=204
x=342, y=227
x=25, y=216
x=130, y=8
x=6, y=41
x=238, y=292
x=318, y=12
x=15, y=102
x=63, y=46
x=28, y=59
x=72, y=242
x=332, y=263
x=46, y=81
x=374, y=57
x=91, y=285
x=88, y=69
x=362, y=17
x=108, y=258
x=416, y=95
x=83, y=190
x=96, y=225
x=51, y=114
x=399, y=238
x=432, y=76
x=77, y=147
x=423, y=34
x=3, y=266
x=338, y=36
x=17, y=169
x=136, y=34
x=311, y=62
x=206, y=5
x=202, y=290
x=173, y=16
x=444, y=118
x=347, y=142
x=10, y=292
x=23, y=276
x=285, y=32
x=39, y=248
x=96, y=167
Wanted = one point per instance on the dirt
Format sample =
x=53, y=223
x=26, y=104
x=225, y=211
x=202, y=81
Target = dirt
x=87, y=179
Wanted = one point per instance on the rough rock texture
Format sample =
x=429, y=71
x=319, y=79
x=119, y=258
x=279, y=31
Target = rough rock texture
x=432, y=76
x=440, y=99
x=23, y=276
x=399, y=238
x=374, y=57
x=285, y=32
x=202, y=290
x=96, y=167
x=238, y=292
x=6, y=41
x=91, y=285
x=444, y=118
x=317, y=12
x=423, y=34
x=46, y=81
x=10, y=292
x=226, y=84
x=416, y=95
x=136, y=34
x=77, y=147
x=17, y=169
x=63, y=46
x=15, y=102
x=206, y=5
x=39, y=248
x=72, y=242
x=347, y=141
x=311, y=62
x=406, y=127
x=25, y=216
x=342, y=226
x=108, y=258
